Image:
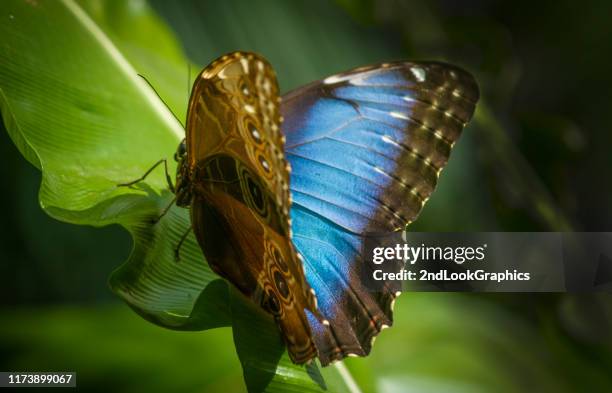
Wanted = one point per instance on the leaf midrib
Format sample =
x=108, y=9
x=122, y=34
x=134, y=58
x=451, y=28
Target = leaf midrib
x=124, y=65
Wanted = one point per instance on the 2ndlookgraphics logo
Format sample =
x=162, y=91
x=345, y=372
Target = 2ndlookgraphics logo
x=410, y=255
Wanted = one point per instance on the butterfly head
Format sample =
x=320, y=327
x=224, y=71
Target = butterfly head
x=183, y=184
x=181, y=151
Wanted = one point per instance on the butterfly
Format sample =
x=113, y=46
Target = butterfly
x=283, y=193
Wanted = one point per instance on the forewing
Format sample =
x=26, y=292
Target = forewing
x=366, y=147
x=240, y=210
x=234, y=110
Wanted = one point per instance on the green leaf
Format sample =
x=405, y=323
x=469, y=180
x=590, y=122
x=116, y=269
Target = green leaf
x=112, y=349
x=267, y=366
x=73, y=103
x=77, y=109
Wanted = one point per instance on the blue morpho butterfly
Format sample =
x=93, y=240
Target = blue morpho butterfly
x=282, y=212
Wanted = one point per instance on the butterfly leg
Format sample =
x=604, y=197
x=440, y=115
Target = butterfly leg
x=158, y=163
x=177, y=249
x=165, y=211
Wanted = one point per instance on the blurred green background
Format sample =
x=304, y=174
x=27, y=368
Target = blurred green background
x=536, y=158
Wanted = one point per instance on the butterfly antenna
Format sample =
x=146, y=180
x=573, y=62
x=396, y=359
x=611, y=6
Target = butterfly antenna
x=161, y=99
x=188, y=84
x=188, y=79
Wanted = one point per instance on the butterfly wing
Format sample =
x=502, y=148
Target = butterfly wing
x=366, y=148
x=240, y=206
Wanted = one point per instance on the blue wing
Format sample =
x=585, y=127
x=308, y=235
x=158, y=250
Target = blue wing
x=366, y=148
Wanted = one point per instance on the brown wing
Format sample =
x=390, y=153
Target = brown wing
x=240, y=209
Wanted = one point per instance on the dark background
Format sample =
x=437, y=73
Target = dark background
x=537, y=156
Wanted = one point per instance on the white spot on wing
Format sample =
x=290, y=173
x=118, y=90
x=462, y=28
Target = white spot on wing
x=377, y=169
x=341, y=78
x=399, y=115
x=355, y=78
x=418, y=73
x=334, y=79
x=387, y=138
x=438, y=135
x=245, y=65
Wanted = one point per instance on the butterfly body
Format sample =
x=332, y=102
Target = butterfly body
x=366, y=149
